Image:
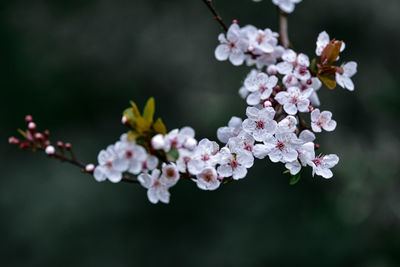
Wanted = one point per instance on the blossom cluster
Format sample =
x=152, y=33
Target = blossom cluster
x=279, y=92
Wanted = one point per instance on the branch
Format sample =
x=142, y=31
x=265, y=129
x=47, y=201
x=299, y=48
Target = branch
x=283, y=29
x=216, y=16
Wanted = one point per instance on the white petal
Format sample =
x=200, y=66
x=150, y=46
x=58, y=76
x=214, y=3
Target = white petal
x=225, y=170
x=222, y=52
x=239, y=173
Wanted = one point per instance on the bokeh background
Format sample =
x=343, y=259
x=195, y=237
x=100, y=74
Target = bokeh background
x=74, y=65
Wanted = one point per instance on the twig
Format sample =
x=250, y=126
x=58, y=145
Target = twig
x=283, y=29
x=216, y=16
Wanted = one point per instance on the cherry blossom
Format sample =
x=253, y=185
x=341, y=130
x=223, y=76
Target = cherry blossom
x=294, y=100
x=235, y=164
x=107, y=168
x=260, y=122
x=286, y=5
x=207, y=179
x=233, y=129
x=260, y=87
x=231, y=46
x=322, y=120
x=157, y=189
x=322, y=41
x=322, y=165
x=204, y=155
x=344, y=74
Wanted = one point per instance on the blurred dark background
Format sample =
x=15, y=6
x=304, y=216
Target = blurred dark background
x=74, y=65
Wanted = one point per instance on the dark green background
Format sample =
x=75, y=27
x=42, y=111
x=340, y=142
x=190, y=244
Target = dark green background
x=74, y=65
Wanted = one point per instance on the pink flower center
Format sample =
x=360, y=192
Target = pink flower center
x=317, y=161
x=144, y=165
x=248, y=147
x=128, y=154
x=205, y=157
x=260, y=124
x=234, y=164
x=170, y=173
x=263, y=88
x=303, y=70
x=174, y=143
x=109, y=164
x=156, y=183
x=208, y=177
x=280, y=145
x=294, y=100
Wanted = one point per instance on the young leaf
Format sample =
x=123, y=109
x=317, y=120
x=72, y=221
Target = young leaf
x=148, y=112
x=329, y=82
x=173, y=155
x=159, y=127
x=331, y=52
x=135, y=110
x=294, y=179
x=142, y=125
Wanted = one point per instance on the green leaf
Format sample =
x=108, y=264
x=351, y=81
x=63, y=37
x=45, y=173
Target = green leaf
x=159, y=127
x=328, y=81
x=294, y=179
x=285, y=172
x=313, y=66
x=135, y=110
x=148, y=112
x=173, y=155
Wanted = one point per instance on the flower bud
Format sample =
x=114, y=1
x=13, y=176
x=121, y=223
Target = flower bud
x=39, y=136
x=28, y=118
x=50, y=150
x=32, y=126
x=60, y=144
x=272, y=70
x=13, y=141
x=89, y=168
x=158, y=142
x=124, y=120
x=68, y=146
x=190, y=143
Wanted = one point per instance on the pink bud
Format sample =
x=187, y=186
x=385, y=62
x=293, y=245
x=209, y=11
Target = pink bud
x=60, y=144
x=310, y=108
x=24, y=145
x=46, y=133
x=32, y=126
x=89, y=168
x=124, y=120
x=13, y=141
x=39, y=136
x=157, y=142
x=68, y=146
x=235, y=21
x=28, y=118
x=316, y=146
x=50, y=150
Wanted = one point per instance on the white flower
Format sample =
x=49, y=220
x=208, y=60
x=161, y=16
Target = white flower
x=322, y=120
x=170, y=174
x=307, y=136
x=260, y=86
x=150, y=163
x=183, y=138
x=296, y=64
x=50, y=150
x=322, y=41
x=234, y=165
x=204, y=155
x=280, y=148
x=287, y=125
x=322, y=165
x=260, y=122
x=130, y=157
x=286, y=5
x=294, y=99
x=184, y=157
x=243, y=141
x=230, y=46
x=107, y=168
x=259, y=41
x=157, y=189
x=233, y=129
x=207, y=179
x=344, y=74
x=158, y=142
x=316, y=84
x=305, y=154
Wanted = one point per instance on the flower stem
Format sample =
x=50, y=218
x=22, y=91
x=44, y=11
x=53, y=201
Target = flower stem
x=283, y=29
x=216, y=16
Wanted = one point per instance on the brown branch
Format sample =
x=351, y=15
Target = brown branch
x=63, y=158
x=283, y=29
x=216, y=16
